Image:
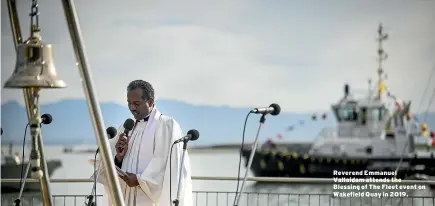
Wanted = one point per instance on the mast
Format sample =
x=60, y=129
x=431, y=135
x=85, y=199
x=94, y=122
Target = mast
x=382, y=56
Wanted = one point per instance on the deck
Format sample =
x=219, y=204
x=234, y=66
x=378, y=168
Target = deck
x=226, y=198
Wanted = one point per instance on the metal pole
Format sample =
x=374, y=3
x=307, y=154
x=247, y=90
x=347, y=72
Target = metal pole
x=15, y=23
x=94, y=107
x=36, y=136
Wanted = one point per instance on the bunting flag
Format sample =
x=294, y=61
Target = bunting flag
x=300, y=123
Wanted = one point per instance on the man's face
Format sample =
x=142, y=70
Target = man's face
x=137, y=105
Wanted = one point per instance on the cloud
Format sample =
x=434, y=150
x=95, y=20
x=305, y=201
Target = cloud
x=237, y=53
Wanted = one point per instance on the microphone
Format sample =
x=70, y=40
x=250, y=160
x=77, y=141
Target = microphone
x=111, y=133
x=128, y=126
x=273, y=109
x=46, y=119
x=2, y=131
x=192, y=135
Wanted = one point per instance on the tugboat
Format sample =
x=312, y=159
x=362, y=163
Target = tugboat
x=373, y=133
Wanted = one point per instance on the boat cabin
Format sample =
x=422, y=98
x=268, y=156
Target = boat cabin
x=368, y=117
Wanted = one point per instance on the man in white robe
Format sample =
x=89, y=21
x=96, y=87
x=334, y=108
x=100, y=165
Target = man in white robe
x=144, y=155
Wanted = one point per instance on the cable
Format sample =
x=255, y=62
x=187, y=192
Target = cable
x=170, y=175
x=93, y=195
x=430, y=104
x=22, y=157
x=425, y=90
x=240, y=157
x=95, y=177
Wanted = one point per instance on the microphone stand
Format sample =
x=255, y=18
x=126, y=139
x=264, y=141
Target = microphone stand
x=24, y=178
x=180, y=174
x=18, y=200
x=251, y=157
x=92, y=196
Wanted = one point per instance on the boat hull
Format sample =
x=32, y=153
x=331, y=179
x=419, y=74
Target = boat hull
x=273, y=164
x=13, y=171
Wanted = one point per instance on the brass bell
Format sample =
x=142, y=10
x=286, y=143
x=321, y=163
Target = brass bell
x=34, y=67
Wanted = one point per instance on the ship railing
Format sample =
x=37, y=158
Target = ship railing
x=259, y=198
x=325, y=134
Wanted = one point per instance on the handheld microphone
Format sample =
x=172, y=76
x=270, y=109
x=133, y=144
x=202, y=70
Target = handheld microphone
x=2, y=131
x=192, y=135
x=273, y=109
x=46, y=119
x=111, y=133
x=128, y=126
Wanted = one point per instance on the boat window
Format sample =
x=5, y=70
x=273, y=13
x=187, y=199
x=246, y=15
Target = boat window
x=377, y=114
x=347, y=114
x=381, y=114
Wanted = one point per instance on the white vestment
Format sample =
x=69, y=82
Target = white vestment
x=148, y=157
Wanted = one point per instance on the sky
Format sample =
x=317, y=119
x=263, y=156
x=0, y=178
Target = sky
x=236, y=53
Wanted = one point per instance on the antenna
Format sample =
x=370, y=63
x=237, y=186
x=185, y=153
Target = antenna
x=382, y=56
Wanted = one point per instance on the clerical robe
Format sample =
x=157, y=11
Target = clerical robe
x=148, y=157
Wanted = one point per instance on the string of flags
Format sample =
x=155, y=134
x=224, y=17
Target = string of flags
x=292, y=127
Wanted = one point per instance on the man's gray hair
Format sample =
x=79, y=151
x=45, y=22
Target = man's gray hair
x=147, y=88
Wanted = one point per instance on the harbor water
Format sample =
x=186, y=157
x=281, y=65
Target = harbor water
x=221, y=163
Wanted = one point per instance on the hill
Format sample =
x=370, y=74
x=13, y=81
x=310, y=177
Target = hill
x=217, y=125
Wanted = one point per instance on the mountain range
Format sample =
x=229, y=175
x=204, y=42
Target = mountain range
x=217, y=125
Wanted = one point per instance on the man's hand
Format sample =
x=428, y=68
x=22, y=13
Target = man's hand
x=121, y=146
x=130, y=179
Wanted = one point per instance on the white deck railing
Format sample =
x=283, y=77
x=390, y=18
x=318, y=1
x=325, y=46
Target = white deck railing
x=219, y=198
x=255, y=179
